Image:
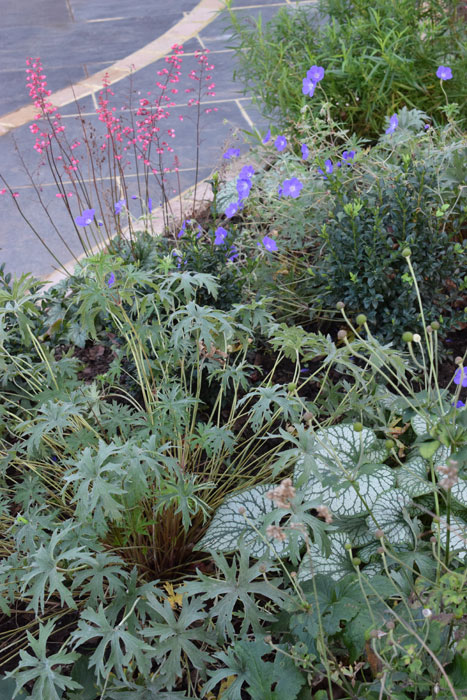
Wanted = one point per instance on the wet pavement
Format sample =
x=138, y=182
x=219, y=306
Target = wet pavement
x=76, y=39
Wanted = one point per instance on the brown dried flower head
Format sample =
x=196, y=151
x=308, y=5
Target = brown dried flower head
x=325, y=513
x=283, y=494
x=276, y=533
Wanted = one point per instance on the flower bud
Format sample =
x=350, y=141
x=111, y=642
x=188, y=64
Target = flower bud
x=292, y=387
x=406, y=253
x=348, y=546
x=435, y=325
x=342, y=334
x=390, y=444
x=458, y=360
x=340, y=305
x=358, y=427
x=407, y=337
x=361, y=319
x=416, y=338
x=356, y=561
x=379, y=534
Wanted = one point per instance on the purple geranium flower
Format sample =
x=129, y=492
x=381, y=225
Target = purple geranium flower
x=393, y=124
x=111, y=279
x=292, y=187
x=221, y=234
x=348, y=155
x=316, y=73
x=460, y=376
x=308, y=87
x=305, y=151
x=119, y=206
x=243, y=187
x=269, y=243
x=267, y=138
x=231, y=153
x=444, y=73
x=280, y=143
x=232, y=209
x=460, y=404
x=246, y=172
x=86, y=218
x=149, y=204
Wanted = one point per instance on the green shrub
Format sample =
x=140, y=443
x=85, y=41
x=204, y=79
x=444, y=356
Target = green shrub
x=378, y=57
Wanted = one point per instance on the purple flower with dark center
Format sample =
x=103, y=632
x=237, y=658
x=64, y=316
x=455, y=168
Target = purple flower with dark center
x=86, y=218
x=316, y=73
x=221, y=234
x=444, y=73
x=149, y=204
x=270, y=244
x=233, y=253
x=243, y=187
x=246, y=172
x=231, y=153
x=460, y=404
x=119, y=206
x=393, y=124
x=232, y=209
x=308, y=87
x=292, y=187
x=111, y=279
x=267, y=138
x=305, y=151
x=280, y=143
x=460, y=376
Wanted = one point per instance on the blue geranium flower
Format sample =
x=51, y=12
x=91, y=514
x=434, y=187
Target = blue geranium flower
x=221, y=234
x=86, y=218
x=305, y=151
x=280, y=143
x=232, y=209
x=231, y=153
x=119, y=206
x=393, y=124
x=111, y=279
x=316, y=74
x=292, y=187
x=246, y=172
x=243, y=187
x=308, y=87
x=267, y=138
x=269, y=243
x=149, y=204
x=444, y=73
x=460, y=376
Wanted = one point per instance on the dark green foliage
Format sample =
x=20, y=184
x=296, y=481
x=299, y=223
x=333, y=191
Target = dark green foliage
x=378, y=56
x=365, y=235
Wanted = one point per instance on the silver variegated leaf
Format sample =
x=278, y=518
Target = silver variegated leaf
x=412, y=477
x=369, y=550
x=340, y=448
x=336, y=565
x=419, y=425
x=228, y=524
x=347, y=501
x=457, y=535
x=372, y=569
x=459, y=492
x=390, y=512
